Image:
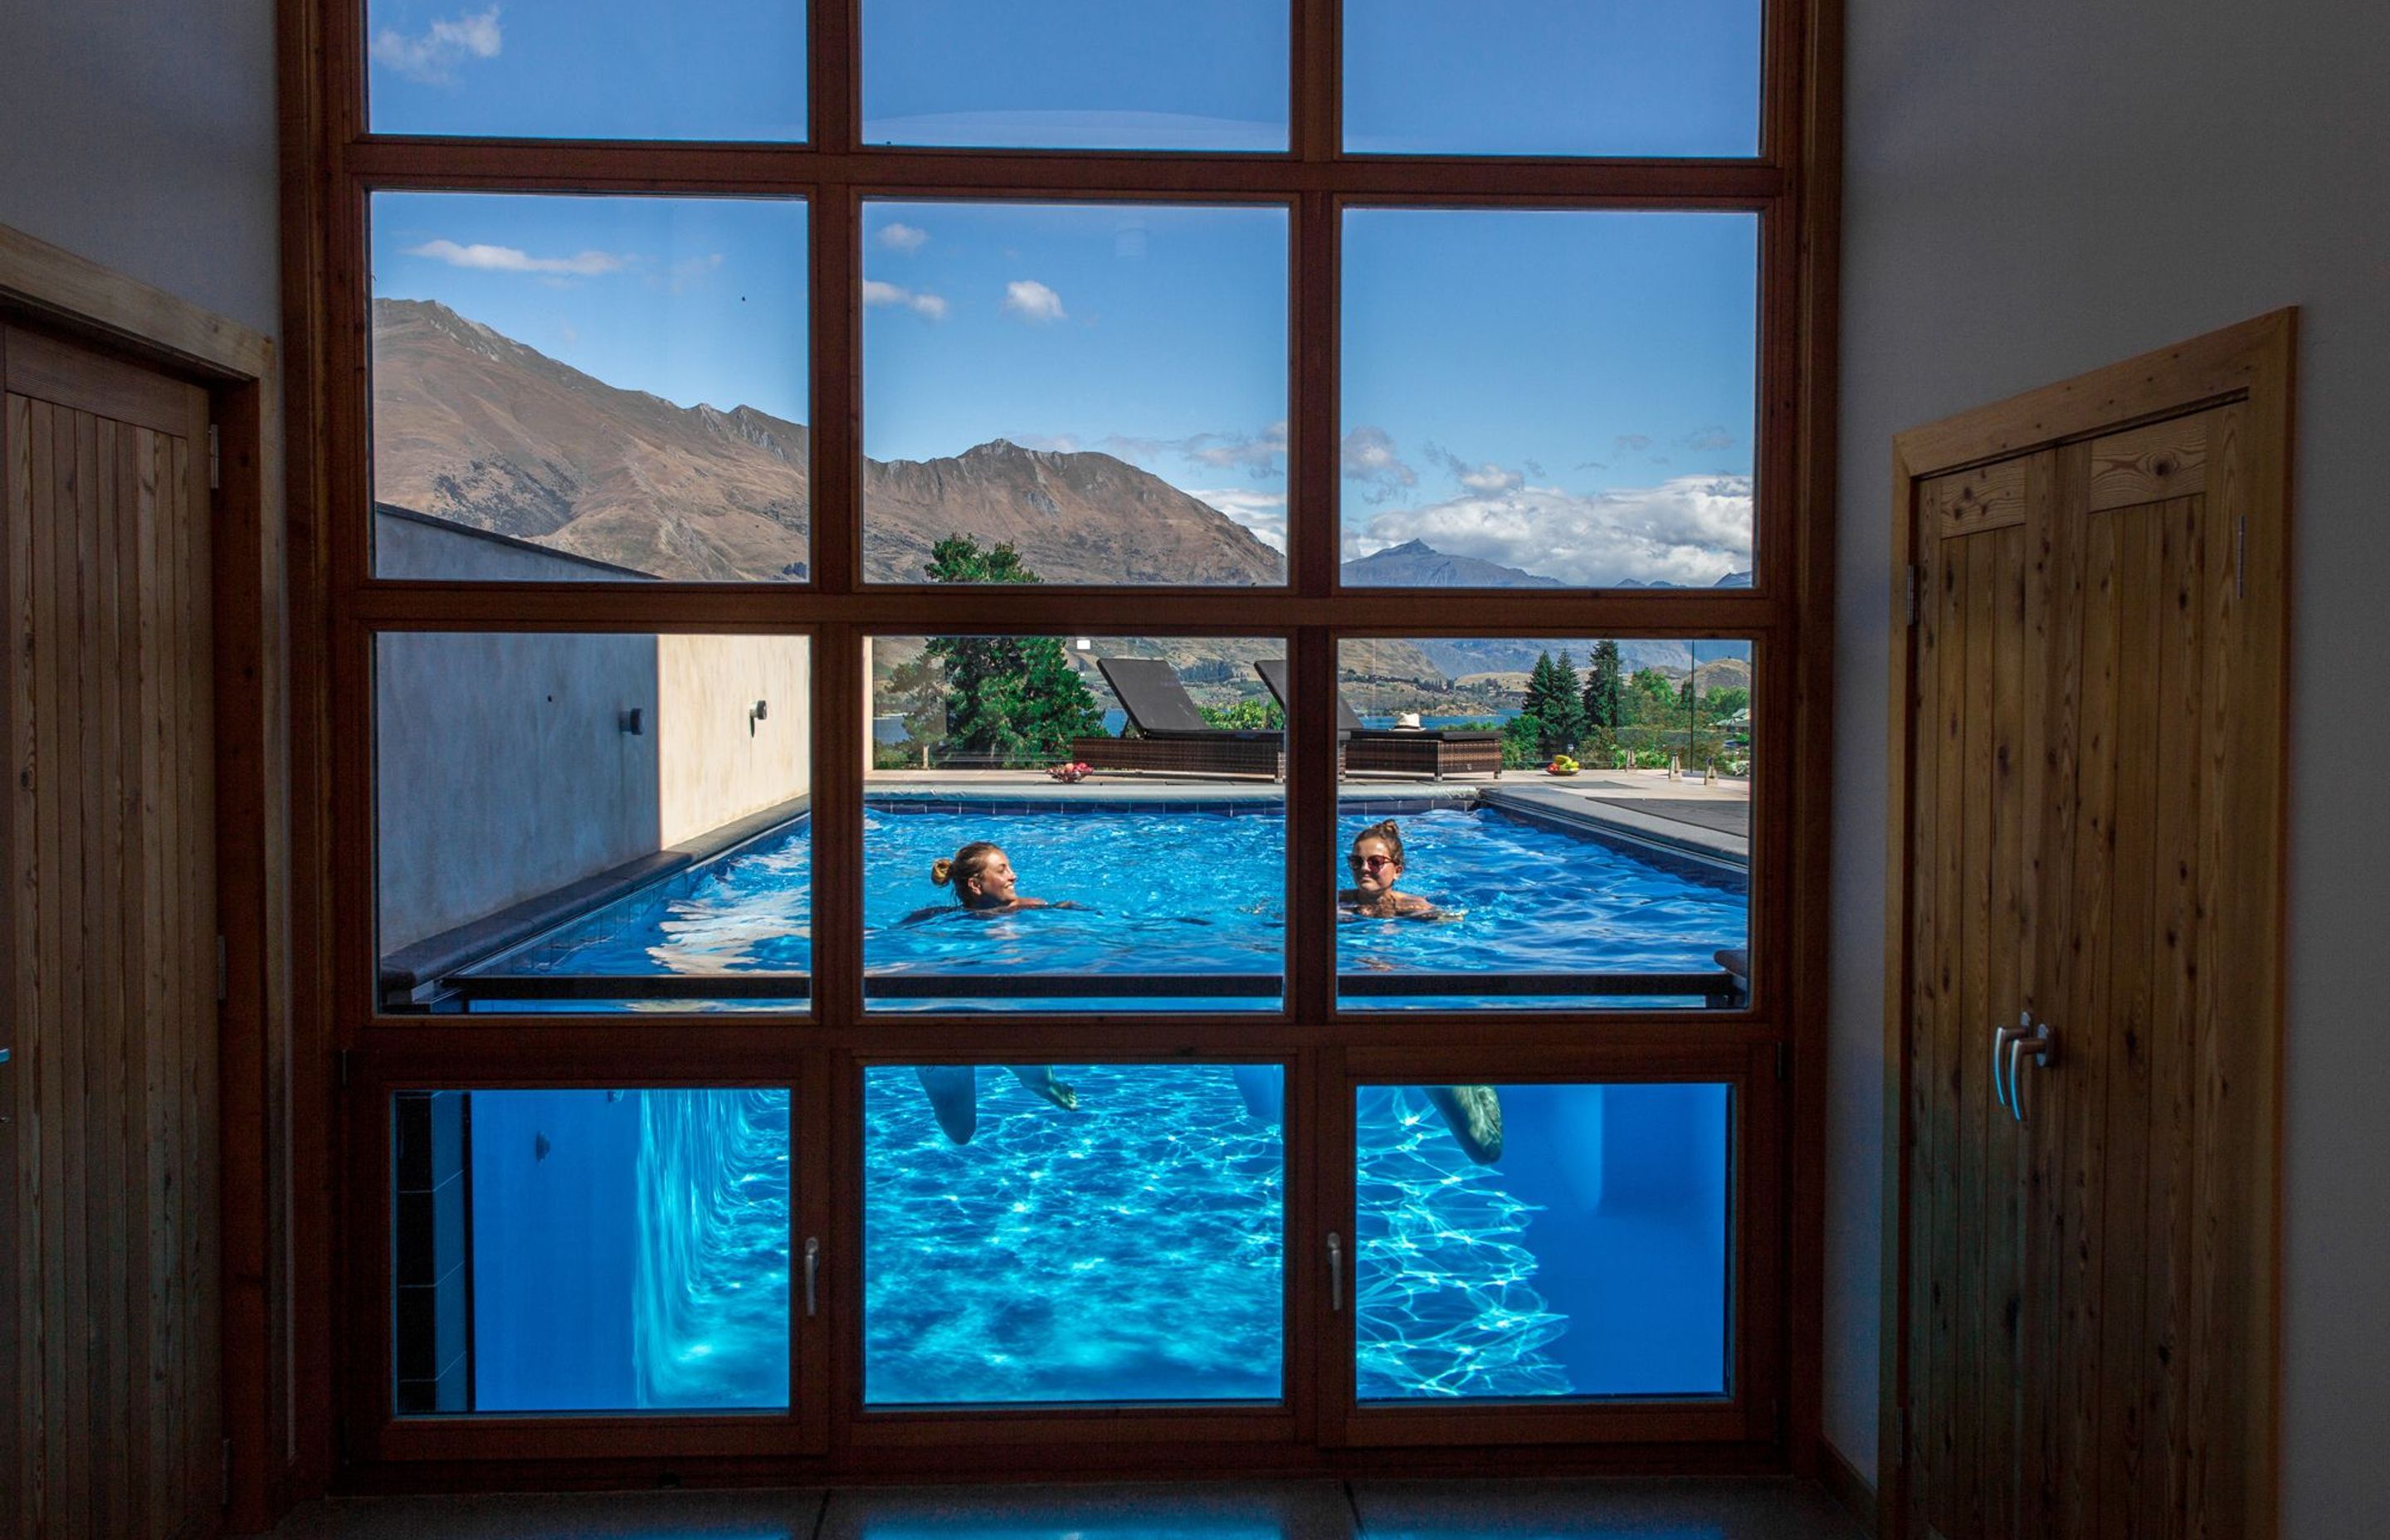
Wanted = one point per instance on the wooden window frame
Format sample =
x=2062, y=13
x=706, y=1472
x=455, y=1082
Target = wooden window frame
x=350, y=1054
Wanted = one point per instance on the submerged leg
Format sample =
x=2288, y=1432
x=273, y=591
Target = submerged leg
x=1264, y=1089
x=1040, y=1079
x=954, y=1098
x=1474, y=1115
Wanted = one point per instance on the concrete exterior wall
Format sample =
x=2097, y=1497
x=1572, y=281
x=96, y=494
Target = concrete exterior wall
x=502, y=770
x=2035, y=190
x=502, y=773
x=442, y=552
x=141, y=135
x=718, y=766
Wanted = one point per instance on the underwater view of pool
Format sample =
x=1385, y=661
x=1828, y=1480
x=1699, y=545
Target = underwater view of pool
x=1097, y=1233
x=1172, y=894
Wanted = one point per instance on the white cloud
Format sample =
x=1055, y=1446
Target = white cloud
x=902, y=238
x=1368, y=456
x=878, y=294
x=511, y=258
x=1052, y=443
x=689, y=272
x=1486, y=478
x=431, y=56
x=1258, y=454
x=1689, y=530
x=1033, y=301
x=1703, y=440
x=1262, y=512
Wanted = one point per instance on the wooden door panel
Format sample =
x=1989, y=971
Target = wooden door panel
x=2091, y=824
x=108, y=816
x=1969, y=840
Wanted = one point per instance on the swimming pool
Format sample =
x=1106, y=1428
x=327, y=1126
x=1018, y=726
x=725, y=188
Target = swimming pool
x=631, y=1249
x=1172, y=893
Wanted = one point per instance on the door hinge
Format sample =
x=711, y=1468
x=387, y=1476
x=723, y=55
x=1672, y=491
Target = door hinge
x=224, y=973
x=1901, y=1436
x=1916, y=588
x=2239, y=556
x=344, y=1069
x=225, y=1492
x=1783, y=1060
x=215, y=459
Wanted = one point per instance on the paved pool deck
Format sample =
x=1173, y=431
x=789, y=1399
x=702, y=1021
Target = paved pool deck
x=1709, y=820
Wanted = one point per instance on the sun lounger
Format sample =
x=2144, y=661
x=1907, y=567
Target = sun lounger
x=1433, y=752
x=1172, y=738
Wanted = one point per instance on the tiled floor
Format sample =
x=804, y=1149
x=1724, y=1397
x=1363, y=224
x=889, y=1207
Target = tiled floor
x=1754, y=1510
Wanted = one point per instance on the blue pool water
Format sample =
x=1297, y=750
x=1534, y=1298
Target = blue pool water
x=1176, y=894
x=1131, y=1251
x=631, y=1250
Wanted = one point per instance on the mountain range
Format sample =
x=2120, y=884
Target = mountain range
x=473, y=427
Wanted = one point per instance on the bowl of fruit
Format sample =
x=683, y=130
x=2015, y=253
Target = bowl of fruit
x=1560, y=766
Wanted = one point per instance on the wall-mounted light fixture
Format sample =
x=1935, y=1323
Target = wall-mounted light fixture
x=755, y=713
x=633, y=722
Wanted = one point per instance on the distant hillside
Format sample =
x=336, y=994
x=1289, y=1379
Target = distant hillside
x=472, y=426
x=1416, y=564
x=1459, y=657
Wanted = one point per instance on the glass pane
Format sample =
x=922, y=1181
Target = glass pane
x=620, y=70
x=582, y=1250
x=1552, y=77
x=593, y=822
x=1540, y=398
x=589, y=389
x=1076, y=74
x=1074, y=823
x=1524, y=1241
x=1533, y=823
x=1103, y=1232
x=1103, y=387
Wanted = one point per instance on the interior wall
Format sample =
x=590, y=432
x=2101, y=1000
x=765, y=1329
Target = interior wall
x=2033, y=190
x=140, y=135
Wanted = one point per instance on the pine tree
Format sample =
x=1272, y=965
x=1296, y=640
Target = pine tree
x=1605, y=688
x=1567, y=716
x=1551, y=705
x=1011, y=700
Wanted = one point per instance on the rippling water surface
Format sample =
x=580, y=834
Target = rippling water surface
x=1177, y=894
x=1130, y=1251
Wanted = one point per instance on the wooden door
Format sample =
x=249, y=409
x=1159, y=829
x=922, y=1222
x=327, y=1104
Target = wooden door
x=1979, y=594
x=109, y=1299
x=2092, y=827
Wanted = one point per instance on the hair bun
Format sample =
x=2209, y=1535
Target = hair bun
x=940, y=869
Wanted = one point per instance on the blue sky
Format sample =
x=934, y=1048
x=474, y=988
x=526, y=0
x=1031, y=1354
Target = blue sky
x=1567, y=392
x=1532, y=77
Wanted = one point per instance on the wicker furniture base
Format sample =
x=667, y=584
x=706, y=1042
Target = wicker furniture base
x=1433, y=754
x=1261, y=755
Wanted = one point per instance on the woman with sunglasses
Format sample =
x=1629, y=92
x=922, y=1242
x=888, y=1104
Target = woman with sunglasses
x=1376, y=862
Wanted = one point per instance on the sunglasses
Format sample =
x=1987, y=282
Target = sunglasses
x=1371, y=863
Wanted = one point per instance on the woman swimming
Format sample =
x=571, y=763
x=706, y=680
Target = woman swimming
x=983, y=879
x=1376, y=862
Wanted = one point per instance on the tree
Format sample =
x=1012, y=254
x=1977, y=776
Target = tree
x=1552, y=706
x=1650, y=697
x=919, y=692
x=1723, y=702
x=1246, y=715
x=1009, y=700
x=1605, y=702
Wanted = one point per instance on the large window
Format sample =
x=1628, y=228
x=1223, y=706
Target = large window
x=1066, y=721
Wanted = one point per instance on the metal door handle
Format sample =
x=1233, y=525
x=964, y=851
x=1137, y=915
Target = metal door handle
x=2041, y=1046
x=813, y=1269
x=1335, y=1271
x=2002, y=1039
